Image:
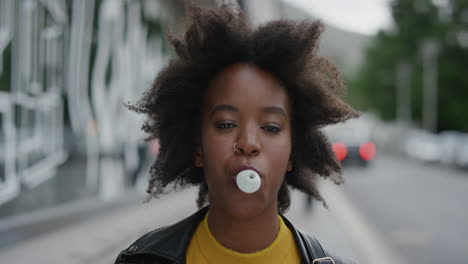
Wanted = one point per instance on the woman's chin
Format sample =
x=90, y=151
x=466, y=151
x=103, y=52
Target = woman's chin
x=245, y=209
x=240, y=205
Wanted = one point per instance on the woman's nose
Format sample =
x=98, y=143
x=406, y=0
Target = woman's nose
x=248, y=143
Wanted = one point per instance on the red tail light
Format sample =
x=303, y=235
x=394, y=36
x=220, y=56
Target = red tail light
x=340, y=150
x=367, y=151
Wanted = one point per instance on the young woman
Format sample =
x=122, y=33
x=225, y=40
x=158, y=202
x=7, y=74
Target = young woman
x=240, y=100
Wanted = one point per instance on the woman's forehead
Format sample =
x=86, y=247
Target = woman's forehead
x=244, y=71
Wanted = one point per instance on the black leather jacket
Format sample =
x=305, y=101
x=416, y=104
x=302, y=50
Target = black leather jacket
x=167, y=245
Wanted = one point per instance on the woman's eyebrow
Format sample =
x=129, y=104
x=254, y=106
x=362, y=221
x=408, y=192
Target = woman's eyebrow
x=224, y=107
x=274, y=110
x=268, y=109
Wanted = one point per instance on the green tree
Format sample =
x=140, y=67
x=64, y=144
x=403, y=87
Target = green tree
x=416, y=22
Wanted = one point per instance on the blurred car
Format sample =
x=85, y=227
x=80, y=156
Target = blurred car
x=354, y=152
x=461, y=152
x=352, y=141
x=448, y=143
x=423, y=146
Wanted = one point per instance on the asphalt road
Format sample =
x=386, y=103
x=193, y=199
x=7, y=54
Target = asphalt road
x=418, y=210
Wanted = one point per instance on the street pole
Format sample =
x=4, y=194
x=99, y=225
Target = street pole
x=430, y=50
x=403, y=85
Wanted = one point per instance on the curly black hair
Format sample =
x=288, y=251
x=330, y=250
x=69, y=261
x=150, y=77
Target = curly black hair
x=215, y=39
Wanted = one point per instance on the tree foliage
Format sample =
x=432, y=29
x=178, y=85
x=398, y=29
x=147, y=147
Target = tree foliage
x=416, y=22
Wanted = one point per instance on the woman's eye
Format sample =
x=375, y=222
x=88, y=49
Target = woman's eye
x=225, y=125
x=271, y=129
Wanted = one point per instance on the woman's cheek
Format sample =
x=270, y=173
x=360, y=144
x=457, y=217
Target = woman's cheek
x=282, y=152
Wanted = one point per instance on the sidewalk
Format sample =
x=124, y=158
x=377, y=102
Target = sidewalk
x=98, y=240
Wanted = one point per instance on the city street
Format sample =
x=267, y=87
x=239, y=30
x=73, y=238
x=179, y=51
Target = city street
x=92, y=93
x=394, y=211
x=418, y=209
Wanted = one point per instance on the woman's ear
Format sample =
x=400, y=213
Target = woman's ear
x=198, y=158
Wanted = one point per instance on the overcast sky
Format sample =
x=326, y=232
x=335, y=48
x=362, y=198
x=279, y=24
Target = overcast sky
x=363, y=16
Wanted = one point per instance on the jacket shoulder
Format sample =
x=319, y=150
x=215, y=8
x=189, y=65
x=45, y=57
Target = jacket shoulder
x=339, y=260
x=134, y=253
x=317, y=250
x=163, y=245
x=124, y=258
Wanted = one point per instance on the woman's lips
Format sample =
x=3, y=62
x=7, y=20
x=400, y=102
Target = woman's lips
x=234, y=182
x=246, y=167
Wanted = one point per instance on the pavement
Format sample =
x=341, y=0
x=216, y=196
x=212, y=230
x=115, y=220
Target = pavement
x=99, y=239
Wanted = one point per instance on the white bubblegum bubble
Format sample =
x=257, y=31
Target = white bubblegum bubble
x=248, y=181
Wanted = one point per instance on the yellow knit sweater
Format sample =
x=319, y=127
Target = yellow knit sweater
x=204, y=249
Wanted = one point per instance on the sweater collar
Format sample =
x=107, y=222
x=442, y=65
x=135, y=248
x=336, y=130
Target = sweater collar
x=281, y=248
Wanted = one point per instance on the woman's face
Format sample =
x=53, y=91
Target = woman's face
x=247, y=106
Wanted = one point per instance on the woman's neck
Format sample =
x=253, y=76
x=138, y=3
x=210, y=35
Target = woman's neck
x=244, y=235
